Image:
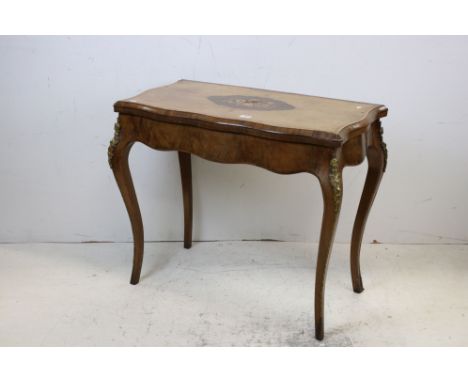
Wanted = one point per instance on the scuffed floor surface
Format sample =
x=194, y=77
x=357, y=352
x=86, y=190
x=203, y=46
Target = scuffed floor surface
x=230, y=294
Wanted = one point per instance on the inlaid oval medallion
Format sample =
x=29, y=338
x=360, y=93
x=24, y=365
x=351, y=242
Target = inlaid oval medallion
x=250, y=102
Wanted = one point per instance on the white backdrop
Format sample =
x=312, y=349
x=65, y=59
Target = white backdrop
x=56, y=97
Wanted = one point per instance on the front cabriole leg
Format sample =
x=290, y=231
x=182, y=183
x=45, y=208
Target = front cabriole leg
x=331, y=183
x=377, y=161
x=119, y=149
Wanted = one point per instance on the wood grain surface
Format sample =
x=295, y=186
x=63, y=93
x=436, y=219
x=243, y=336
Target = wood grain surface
x=271, y=114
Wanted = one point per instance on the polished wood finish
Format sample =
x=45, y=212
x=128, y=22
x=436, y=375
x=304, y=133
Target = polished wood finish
x=281, y=132
x=316, y=120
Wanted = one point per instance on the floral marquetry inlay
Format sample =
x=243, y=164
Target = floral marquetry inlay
x=250, y=102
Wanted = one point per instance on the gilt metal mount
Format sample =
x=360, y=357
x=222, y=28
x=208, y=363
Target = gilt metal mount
x=113, y=143
x=383, y=145
x=335, y=180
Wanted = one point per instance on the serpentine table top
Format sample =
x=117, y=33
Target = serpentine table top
x=270, y=114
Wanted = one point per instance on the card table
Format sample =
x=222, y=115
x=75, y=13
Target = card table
x=282, y=132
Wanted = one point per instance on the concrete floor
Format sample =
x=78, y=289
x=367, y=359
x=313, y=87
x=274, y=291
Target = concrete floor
x=230, y=294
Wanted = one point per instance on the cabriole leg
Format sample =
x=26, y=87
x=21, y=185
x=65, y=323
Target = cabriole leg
x=332, y=191
x=377, y=161
x=118, y=152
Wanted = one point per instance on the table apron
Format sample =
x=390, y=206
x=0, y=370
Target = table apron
x=225, y=147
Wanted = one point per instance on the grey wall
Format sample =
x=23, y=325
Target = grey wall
x=56, y=96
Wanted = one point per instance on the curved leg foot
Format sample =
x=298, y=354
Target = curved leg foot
x=377, y=158
x=332, y=191
x=185, y=163
x=119, y=150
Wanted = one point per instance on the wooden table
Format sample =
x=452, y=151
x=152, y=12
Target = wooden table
x=282, y=132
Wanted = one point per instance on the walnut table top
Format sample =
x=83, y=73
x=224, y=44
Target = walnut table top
x=272, y=114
